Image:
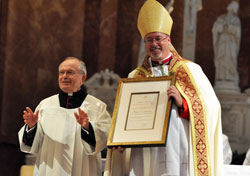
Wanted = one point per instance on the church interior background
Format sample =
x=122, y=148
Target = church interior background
x=37, y=35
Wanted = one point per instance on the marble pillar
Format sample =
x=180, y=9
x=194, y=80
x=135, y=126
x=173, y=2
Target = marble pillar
x=39, y=35
x=236, y=119
x=108, y=29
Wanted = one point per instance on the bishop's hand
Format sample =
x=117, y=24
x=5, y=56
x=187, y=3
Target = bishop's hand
x=82, y=118
x=29, y=117
x=175, y=94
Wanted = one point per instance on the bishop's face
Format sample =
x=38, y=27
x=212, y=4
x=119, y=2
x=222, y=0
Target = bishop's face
x=70, y=79
x=157, y=45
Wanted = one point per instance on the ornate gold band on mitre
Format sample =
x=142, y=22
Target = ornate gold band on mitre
x=153, y=17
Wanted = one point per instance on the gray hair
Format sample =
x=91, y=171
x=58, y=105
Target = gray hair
x=82, y=67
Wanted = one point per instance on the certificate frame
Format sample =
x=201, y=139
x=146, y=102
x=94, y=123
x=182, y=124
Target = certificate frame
x=141, y=112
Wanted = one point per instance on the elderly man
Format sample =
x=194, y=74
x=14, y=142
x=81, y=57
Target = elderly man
x=67, y=131
x=194, y=141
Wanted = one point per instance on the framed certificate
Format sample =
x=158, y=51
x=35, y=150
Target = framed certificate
x=141, y=112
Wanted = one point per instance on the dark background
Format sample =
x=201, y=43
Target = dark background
x=35, y=36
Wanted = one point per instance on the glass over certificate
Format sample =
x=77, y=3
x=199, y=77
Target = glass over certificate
x=141, y=113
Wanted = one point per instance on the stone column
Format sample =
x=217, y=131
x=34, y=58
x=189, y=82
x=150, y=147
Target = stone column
x=189, y=31
x=108, y=30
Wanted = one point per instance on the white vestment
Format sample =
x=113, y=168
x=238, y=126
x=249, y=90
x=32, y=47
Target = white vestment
x=247, y=159
x=227, y=151
x=169, y=160
x=176, y=159
x=58, y=144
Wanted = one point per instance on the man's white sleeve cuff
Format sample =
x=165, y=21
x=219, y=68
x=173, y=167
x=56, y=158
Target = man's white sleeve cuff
x=85, y=130
x=29, y=130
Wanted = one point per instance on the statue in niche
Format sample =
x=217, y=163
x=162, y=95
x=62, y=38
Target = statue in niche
x=226, y=42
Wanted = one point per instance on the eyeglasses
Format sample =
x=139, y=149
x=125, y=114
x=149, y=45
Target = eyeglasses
x=157, y=39
x=68, y=73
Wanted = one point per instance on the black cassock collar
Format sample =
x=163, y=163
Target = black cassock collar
x=72, y=101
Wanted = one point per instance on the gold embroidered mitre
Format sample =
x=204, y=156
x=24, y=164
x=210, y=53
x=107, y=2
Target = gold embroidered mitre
x=153, y=17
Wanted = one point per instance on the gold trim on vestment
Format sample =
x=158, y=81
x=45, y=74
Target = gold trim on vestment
x=185, y=83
